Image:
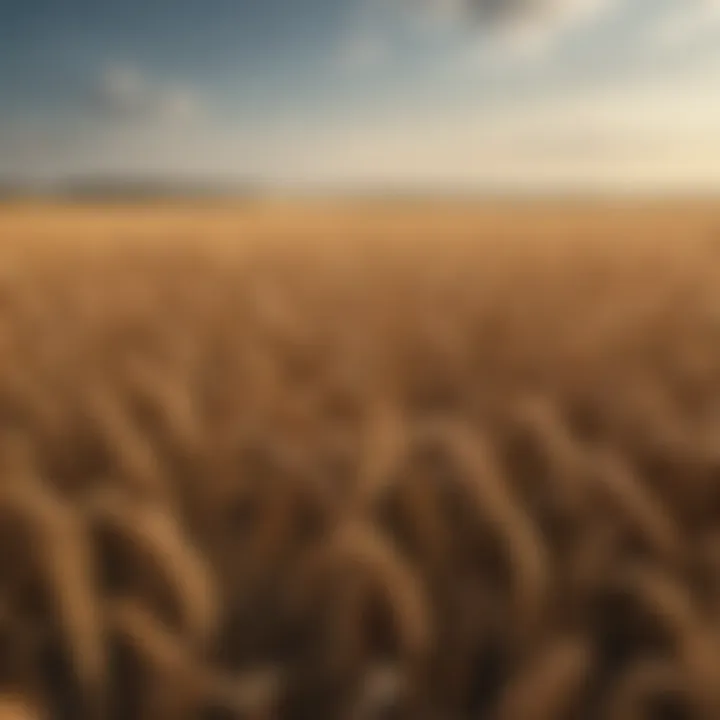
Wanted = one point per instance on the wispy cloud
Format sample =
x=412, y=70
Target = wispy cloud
x=128, y=121
x=525, y=27
x=499, y=13
x=124, y=92
x=494, y=30
x=685, y=23
x=368, y=36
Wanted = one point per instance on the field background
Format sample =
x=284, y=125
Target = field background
x=360, y=460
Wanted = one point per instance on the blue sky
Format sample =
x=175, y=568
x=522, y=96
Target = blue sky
x=619, y=93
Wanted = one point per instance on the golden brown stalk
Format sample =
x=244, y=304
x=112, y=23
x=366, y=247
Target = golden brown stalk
x=649, y=689
x=666, y=604
x=19, y=708
x=551, y=459
x=50, y=536
x=413, y=509
x=136, y=461
x=148, y=557
x=496, y=508
x=643, y=512
x=358, y=570
x=385, y=441
x=552, y=685
x=156, y=674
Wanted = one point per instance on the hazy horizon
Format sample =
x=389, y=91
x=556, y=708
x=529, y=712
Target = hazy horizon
x=522, y=95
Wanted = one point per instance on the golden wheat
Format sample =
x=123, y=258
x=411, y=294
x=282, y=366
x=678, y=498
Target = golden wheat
x=446, y=462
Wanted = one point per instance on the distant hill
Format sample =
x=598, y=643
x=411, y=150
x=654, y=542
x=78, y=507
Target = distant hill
x=152, y=188
x=120, y=188
x=14, y=189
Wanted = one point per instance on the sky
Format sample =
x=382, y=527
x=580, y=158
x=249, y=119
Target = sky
x=609, y=94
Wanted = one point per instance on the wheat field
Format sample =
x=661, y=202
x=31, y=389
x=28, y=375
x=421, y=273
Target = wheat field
x=346, y=461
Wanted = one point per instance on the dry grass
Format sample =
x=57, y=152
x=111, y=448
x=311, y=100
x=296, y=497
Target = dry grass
x=360, y=463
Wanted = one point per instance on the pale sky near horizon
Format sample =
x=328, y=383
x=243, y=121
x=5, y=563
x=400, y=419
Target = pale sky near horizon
x=619, y=94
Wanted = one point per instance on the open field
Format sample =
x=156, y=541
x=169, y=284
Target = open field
x=360, y=461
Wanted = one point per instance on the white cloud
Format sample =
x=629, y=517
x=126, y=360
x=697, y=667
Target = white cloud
x=529, y=26
x=517, y=24
x=501, y=32
x=536, y=32
x=513, y=12
x=506, y=30
x=369, y=35
x=125, y=93
x=685, y=23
